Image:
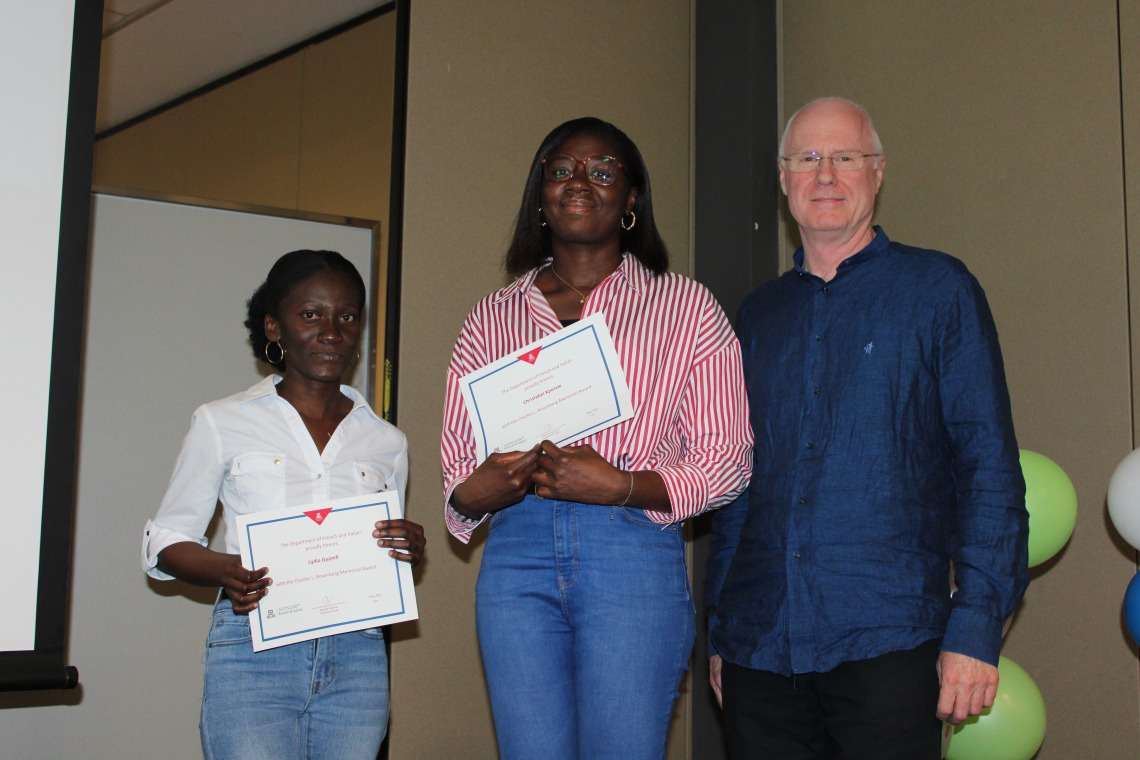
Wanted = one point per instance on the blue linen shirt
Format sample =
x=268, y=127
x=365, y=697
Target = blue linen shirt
x=884, y=450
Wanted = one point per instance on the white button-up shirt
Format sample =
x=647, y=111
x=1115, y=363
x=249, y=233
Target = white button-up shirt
x=252, y=452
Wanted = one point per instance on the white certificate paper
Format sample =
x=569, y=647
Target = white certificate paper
x=329, y=576
x=562, y=388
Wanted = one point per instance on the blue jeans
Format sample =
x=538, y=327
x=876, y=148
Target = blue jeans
x=586, y=625
x=326, y=698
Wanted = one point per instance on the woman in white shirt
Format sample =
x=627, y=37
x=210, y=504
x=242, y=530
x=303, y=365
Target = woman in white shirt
x=292, y=439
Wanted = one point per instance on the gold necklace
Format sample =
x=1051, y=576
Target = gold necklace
x=581, y=296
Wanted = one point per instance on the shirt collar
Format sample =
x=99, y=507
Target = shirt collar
x=267, y=387
x=631, y=271
x=264, y=387
x=634, y=272
x=521, y=285
x=872, y=250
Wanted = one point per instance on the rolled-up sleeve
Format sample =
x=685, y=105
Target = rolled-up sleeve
x=457, y=442
x=717, y=463
x=191, y=496
x=712, y=426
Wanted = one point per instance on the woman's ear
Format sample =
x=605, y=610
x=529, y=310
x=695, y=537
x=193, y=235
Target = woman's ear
x=272, y=331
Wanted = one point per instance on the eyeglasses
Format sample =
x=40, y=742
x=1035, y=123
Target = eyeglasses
x=843, y=161
x=600, y=170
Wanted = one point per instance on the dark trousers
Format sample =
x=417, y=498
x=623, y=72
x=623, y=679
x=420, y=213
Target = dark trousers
x=876, y=709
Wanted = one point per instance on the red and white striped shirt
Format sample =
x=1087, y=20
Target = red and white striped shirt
x=681, y=360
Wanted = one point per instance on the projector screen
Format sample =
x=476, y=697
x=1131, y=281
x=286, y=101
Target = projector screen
x=48, y=82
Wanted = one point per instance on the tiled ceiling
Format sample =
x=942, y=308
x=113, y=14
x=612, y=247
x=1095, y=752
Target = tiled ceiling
x=155, y=51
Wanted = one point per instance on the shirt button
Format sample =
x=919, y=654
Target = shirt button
x=796, y=555
x=803, y=500
x=810, y=445
x=815, y=391
x=319, y=476
x=818, y=338
x=824, y=288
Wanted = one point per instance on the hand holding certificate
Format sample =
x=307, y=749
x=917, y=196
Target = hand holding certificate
x=329, y=576
x=563, y=388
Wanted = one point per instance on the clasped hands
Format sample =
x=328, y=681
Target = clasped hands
x=572, y=473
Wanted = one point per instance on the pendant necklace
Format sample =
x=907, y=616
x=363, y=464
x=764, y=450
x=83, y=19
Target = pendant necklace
x=581, y=296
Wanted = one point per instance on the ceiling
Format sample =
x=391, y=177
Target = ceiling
x=155, y=51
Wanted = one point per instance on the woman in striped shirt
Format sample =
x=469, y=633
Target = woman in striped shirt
x=584, y=612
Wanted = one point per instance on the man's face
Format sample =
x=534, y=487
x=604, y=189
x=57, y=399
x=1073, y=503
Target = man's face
x=828, y=204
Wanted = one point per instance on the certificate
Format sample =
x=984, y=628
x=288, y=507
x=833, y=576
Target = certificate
x=562, y=388
x=329, y=576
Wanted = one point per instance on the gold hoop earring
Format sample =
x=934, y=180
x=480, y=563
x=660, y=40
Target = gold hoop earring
x=632, y=221
x=280, y=348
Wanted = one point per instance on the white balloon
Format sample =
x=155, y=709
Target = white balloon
x=1124, y=498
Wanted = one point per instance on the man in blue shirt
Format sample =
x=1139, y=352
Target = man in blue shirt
x=884, y=452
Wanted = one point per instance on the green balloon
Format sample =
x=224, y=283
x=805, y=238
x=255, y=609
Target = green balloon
x=1052, y=504
x=1012, y=729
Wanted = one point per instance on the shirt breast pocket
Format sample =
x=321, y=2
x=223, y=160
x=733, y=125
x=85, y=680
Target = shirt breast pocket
x=258, y=478
x=369, y=477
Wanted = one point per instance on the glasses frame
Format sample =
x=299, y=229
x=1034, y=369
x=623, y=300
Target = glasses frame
x=611, y=160
x=790, y=165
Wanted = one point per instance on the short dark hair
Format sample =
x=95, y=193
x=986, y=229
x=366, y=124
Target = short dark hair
x=290, y=269
x=530, y=241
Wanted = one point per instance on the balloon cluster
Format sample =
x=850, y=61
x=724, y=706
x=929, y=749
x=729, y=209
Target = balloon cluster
x=1124, y=510
x=1014, y=727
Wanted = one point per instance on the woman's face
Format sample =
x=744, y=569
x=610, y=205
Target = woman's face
x=318, y=324
x=577, y=211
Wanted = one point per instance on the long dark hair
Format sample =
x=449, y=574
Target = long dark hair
x=530, y=241
x=290, y=269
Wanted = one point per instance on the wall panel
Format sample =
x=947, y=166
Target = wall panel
x=346, y=122
x=237, y=143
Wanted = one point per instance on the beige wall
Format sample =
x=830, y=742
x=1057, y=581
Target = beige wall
x=312, y=132
x=1002, y=126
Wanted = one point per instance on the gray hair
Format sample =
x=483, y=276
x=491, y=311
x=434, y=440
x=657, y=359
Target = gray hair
x=876, y=143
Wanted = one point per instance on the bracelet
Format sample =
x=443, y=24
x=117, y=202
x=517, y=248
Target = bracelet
x=626, y=499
